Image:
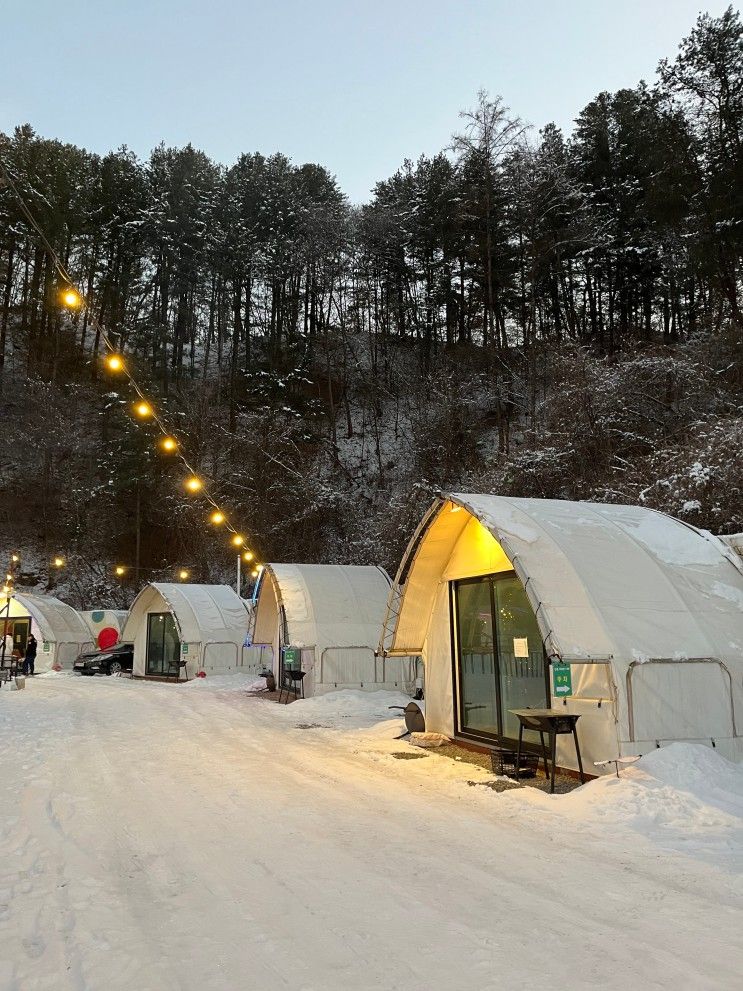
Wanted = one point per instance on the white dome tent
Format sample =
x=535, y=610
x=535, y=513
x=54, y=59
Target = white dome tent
x=646, y=612
x=332, y=614
x=98, y=620
x=58, y=628
x=180, y=630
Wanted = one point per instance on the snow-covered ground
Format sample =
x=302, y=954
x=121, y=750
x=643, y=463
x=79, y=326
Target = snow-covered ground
x=160, y=837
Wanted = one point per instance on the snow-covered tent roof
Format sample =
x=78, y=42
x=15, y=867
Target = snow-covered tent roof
x=202, y=613
x=605, y=581
x=324, y=604
x=734, y=540
x=57, y=622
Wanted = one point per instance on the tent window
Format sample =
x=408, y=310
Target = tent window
x=500, y=655
x=163, y=645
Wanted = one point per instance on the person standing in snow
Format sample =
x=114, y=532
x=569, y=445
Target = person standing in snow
x=7, y=655
x=30, y=658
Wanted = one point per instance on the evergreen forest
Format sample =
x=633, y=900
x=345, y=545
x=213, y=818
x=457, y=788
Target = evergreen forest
x=529, y=313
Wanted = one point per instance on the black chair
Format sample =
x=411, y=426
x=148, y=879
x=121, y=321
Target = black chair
x=174, y=669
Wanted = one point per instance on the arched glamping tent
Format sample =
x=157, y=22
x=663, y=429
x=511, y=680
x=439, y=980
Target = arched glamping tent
x=105, y=625
x=179, y=630
x=58, y=628
x=645, y=614
x=330, y=617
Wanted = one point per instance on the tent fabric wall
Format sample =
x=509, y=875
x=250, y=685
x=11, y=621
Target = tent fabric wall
x=611, y=586
x=60, y=631
x=334, y=613
x=212, y=623
x=100, y=619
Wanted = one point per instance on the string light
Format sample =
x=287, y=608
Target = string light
x=183, y=574
x=72, y=298
x=120, y=570
x=248, y=556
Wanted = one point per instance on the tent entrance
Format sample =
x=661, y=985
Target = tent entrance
x=499, y=657
x=18, y=627
x=163, y=644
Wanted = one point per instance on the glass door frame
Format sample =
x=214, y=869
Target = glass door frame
x=483, y=736
x=164, y=672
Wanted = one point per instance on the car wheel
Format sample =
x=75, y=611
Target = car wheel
x=114, y=667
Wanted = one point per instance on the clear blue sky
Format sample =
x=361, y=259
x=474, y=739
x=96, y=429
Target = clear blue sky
x=357, y=85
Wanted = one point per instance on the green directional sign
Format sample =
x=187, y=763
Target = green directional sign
x=292, y=657
x=562, y=681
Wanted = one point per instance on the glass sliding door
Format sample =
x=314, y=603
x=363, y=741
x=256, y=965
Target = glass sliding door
x=521, y=668
x=477, y=682
x=163, y=645
x=500, y=657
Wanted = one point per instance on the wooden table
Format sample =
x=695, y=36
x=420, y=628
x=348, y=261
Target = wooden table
x=556, y=722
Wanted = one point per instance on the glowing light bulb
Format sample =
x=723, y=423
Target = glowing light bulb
x=115, y=363
x=183, y=574
x=143, y=410
x=59, y=562
x=15, y=559
x=194, y=484
x=217, y=517
x=169, y=444
x=120, y=570
x=237, y=540
x=71, y=298
x=248, y=556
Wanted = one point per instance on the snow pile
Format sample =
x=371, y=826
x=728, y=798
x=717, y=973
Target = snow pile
x=221, y=682
x=349, y=709
x=683, y=797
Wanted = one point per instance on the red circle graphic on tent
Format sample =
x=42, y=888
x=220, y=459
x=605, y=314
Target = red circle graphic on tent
x=107, y=637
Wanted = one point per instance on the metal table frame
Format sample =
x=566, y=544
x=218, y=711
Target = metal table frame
x=551, y=721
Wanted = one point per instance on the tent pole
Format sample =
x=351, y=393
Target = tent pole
x=238, y=575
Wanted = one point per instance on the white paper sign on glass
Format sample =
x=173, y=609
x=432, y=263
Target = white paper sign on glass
x=520, y=646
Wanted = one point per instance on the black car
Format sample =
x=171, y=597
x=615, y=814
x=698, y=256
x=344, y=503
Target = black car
x=114, y=660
